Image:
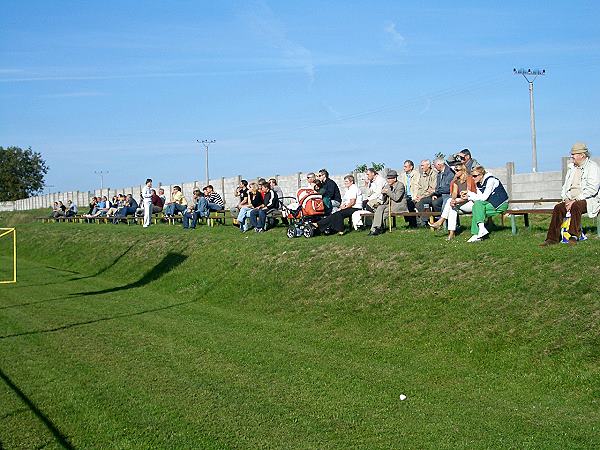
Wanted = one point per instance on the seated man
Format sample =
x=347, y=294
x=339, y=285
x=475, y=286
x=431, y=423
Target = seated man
x=424, y=189
x=71, y=209
x=129, y=208
x=215, y=202
x=410, y=179
x=374, y=184
x=395, y=192
x=177, y=204
x=467, y=159
x=258, y=216
x=241, y=193
x=195, y=211
x=579, y=195
x=445, y=175
x=331, y=189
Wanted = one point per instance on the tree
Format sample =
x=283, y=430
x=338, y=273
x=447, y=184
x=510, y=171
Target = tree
x=21, y=173
x=361, y=168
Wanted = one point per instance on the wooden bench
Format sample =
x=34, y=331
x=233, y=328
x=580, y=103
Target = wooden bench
x=525, y=212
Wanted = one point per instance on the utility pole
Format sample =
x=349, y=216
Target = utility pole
x=101, y=173
x=206, y=143
x=527, y=74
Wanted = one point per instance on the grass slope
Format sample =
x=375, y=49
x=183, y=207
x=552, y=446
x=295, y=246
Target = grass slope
x=120, y=337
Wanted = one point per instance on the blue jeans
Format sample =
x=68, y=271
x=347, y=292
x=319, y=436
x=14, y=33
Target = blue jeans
x=241, y=218
x=173, y=208
x=190, y=215
x=215, y=207
x=258, y=217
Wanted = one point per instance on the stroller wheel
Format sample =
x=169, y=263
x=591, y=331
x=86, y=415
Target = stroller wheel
x=308, y=231
x=291, y=232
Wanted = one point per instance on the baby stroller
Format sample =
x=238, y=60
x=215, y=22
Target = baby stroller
x=307, y=209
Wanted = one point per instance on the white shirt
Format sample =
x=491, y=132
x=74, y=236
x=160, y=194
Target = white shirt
x=489, y=188
x=376, y=186
x=147, y=194
x=353, y=193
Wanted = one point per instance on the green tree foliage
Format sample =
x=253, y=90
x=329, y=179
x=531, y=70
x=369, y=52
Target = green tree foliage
x=361, y=168
x=21, y=173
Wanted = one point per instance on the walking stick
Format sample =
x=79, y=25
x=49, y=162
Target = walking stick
x=390, y=213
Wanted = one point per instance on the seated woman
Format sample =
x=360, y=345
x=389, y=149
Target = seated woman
x=490, y=200
x=59, y=210
x=351, y=202
x=462, y=182
x=255, y=200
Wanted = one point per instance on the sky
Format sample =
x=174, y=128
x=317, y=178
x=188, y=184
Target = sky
x=128, y=87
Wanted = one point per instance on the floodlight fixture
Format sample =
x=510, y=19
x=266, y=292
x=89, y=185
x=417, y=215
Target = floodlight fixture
x=530, y=75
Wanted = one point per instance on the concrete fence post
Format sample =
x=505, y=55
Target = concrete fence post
x=510, y=170
x=564, y=166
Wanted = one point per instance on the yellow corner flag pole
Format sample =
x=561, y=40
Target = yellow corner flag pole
x=14, y=233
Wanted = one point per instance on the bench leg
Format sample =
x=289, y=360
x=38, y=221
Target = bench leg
x=526, y=219
x=598, y=224
x=513, y=224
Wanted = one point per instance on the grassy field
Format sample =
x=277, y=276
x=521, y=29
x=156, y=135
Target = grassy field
x=119, y=337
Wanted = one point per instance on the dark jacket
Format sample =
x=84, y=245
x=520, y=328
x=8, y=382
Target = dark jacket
x=443, y=181
x=332, y=190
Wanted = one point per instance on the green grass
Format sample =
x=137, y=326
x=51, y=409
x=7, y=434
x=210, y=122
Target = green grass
x=120, y=337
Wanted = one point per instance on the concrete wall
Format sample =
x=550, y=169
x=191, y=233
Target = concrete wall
x=519, y=186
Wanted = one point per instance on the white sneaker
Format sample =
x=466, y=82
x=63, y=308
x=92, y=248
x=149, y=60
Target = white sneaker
x=474, y=238
x=483, y=233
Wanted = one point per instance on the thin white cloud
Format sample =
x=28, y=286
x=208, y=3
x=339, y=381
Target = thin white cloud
x=426, y=107
x=73, y=94
x=266, y=24
x=397, y=39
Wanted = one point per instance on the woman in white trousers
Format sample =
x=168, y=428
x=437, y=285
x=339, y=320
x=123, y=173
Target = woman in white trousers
x=462, y=182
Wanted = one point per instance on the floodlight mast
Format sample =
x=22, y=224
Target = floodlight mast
x=527, y=74
x=101, y=173
x=206, y=143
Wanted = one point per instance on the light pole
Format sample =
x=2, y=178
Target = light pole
x=101, y=173
x=526, y=74
x=206, y=143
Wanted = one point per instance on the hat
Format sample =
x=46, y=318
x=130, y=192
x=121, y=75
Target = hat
x=392, y=174
x=579, y=147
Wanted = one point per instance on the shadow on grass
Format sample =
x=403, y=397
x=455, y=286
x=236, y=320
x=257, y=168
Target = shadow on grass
x=64, y=441
x=168, y=263
x=76, y=278
x=101, y=319
x=108, y=266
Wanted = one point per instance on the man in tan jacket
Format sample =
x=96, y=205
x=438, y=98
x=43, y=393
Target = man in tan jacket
x=425, y=188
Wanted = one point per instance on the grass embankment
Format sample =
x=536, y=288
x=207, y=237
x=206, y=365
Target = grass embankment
x=116, y=336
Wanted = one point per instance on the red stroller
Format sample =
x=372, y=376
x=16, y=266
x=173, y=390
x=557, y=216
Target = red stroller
x=307, y=209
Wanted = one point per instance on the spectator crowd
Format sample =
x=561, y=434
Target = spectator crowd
x=440, y=188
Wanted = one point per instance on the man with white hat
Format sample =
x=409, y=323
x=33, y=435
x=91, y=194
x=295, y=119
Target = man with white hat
x=579, y=193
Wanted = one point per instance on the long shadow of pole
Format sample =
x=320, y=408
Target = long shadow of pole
x=61, y=438
x=168, y=263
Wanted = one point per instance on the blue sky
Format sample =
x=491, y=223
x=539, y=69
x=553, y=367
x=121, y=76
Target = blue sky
x=128, y=86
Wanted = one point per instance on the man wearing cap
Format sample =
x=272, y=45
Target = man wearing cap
x=579, y=194
x=467, y=159
x=394, y=194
